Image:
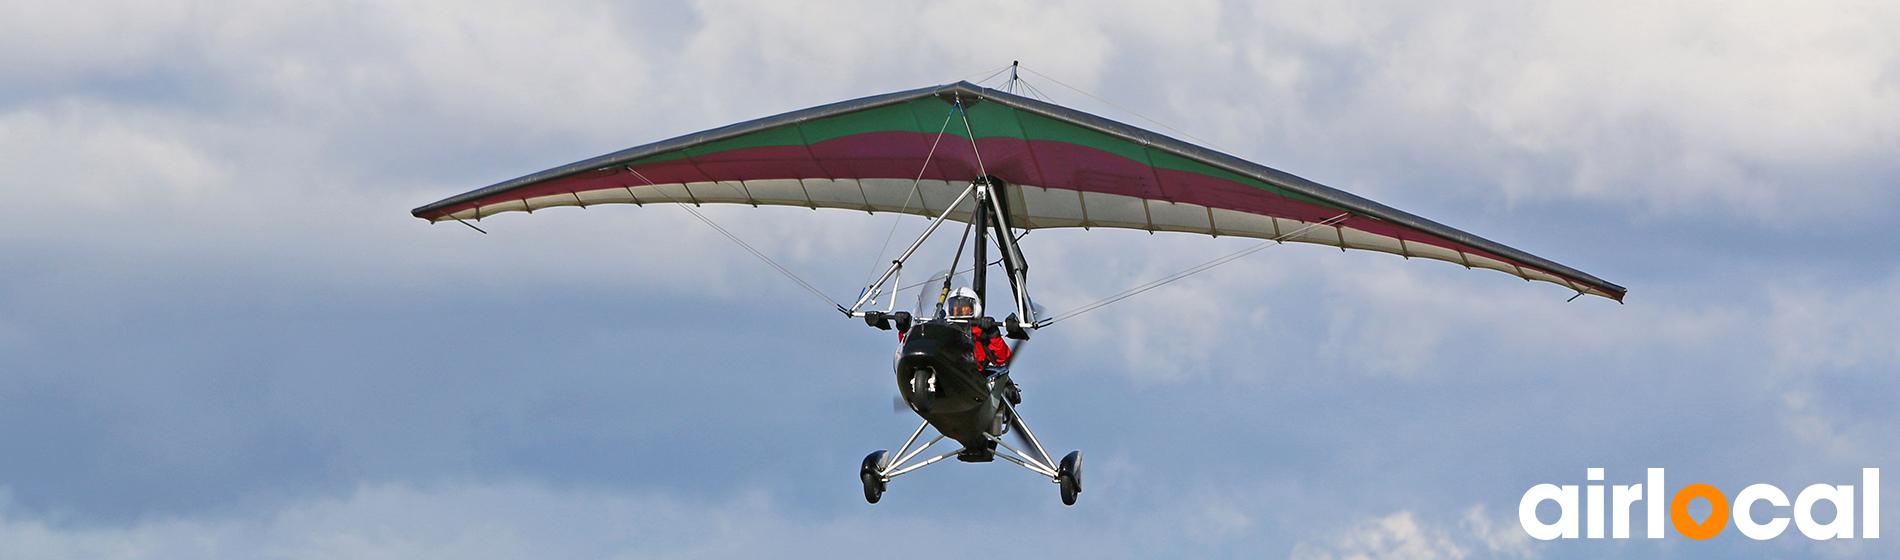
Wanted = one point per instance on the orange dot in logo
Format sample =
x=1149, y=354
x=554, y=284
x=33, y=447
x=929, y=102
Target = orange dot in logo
x=1707, y=528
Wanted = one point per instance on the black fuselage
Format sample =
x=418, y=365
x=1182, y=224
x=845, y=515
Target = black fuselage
x=962, y=405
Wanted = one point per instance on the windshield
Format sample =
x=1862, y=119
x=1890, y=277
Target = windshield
x=931, y=295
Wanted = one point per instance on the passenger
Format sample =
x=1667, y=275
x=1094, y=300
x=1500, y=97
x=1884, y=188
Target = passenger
x=991, y=351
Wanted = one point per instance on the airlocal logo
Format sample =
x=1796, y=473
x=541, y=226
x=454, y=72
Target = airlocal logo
x=1621, y=497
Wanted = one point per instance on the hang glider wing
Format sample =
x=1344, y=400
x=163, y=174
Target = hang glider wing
x=910, y=152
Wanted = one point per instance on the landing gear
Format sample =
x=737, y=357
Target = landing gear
x=1069, y=476
x=869, y=474
x=879, y=468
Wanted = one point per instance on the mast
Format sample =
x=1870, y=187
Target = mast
x=1014, y=267
x=981, y=231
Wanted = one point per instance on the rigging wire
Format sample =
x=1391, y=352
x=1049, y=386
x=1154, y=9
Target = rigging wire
x=954, y=272
x=992, y=75
x=983, y=174
x=947, y=280
x=748, y=247
x=761, y=256
x=914, y=193
x=972, y=268
x=1019, y=86
x=1015, y=84
x=1230, y=257
x=1126, y=110
x=966, y=127
x=1034, y=92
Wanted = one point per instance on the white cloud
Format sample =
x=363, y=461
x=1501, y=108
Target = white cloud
x=1498, y=536
x=77, y=162
x=64, y=40
x=1394, y=537
x=1394, y=316
x=1824, y=340
x=472, y=520
x=1402, y=536
x=1814, y=328
x=578, y=67
x=449, y=520
x=1756, y=109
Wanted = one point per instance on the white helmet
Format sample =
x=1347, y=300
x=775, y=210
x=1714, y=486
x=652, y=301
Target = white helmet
x=964, y=297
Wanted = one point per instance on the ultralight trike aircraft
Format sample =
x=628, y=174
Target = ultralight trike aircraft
x=1002, y=164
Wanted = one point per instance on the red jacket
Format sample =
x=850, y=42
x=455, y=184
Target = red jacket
x=997, y=348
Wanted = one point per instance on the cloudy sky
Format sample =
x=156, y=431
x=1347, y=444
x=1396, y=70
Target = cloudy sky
x=223, y=336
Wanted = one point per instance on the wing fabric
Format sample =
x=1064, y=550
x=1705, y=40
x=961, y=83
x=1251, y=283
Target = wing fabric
x=1064, y=168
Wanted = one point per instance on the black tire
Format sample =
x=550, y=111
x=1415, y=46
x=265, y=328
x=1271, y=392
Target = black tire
x=1069, y=475
x=867, y=473
x=920, y=395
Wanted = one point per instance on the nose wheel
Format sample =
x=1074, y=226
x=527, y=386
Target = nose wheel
x=1069, y=476
x=868, y=473
x=923, y=390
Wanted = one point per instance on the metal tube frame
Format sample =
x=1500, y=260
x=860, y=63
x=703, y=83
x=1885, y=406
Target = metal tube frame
x=896, y=280
x=927, y=462
x=896, y=467
x=919, y=451
x=1044, y=467
x=877, y=287
x=905, y=454
x=913, y=439
x=988, y=204
x=1012, y=256
x=998, y=438
x=1053, y=476
x=1027, y=434
x=1025, y=459
x=1021, y=458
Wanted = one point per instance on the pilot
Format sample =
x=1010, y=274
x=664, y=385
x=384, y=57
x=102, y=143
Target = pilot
x=990, y=351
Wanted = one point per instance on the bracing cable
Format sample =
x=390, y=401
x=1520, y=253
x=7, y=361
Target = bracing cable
x=761, y=256
x=755, y=252
x=992, y=74
x=1230, y=257
x=1125, y=110
x=914, y=193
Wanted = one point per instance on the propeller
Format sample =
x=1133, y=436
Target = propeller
x=1015, y=351
x=1016, y=420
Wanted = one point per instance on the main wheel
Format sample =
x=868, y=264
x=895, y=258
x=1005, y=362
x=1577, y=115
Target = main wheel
x=1069, y=475
x=868, y=473
x=920, y=394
